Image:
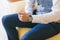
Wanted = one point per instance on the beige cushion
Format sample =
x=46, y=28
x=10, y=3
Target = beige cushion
x=22, y=31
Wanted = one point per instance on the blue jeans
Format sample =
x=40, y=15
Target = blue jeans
x=38, y=31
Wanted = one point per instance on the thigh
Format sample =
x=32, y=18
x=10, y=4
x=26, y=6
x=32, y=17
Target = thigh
x=40, y=31
x=56, y=26
x=13, y=20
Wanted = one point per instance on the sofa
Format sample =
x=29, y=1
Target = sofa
x=16, y=6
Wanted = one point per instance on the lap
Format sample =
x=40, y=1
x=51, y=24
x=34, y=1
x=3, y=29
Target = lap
x=13, y=19
x=41, y=31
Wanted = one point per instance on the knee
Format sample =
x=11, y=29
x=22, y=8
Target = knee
x=28, y=37
x=4, y=19
x=25, y=38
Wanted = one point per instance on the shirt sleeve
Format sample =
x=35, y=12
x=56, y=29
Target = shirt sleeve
x=48, y=17
x=29, y=6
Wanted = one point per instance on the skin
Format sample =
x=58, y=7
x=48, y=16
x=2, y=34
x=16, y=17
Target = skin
x=24, y=17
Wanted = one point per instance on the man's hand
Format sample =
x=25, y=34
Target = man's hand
x=24, y=17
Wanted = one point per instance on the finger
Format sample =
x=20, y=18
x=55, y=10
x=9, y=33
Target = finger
x=21, y=15
x=21, y=18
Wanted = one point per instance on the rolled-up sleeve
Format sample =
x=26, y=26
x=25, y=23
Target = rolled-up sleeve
x=29, y=6
x=48, y=17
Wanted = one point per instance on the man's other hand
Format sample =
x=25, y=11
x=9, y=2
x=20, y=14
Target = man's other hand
x=24, y=17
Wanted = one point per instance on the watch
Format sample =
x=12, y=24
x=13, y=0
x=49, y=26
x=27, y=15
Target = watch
x=30, y=18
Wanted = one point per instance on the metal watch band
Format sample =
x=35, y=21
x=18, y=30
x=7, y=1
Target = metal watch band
x=30, y=18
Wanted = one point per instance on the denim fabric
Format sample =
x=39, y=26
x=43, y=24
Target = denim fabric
x=39, y=31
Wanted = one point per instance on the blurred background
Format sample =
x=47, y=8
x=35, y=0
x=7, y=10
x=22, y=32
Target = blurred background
x=3, y=11
x=4, y=8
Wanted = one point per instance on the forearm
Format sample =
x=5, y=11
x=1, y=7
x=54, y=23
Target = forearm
x=46, y=18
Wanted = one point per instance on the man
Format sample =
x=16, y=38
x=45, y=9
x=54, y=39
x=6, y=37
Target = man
x=45, y=23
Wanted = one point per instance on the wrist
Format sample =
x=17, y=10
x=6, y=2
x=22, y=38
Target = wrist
x=30, y=18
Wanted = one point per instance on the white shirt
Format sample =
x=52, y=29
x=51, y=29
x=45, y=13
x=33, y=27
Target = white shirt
x=53, y=16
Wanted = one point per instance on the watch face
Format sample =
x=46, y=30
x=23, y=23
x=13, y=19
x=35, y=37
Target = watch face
x=30, y=18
